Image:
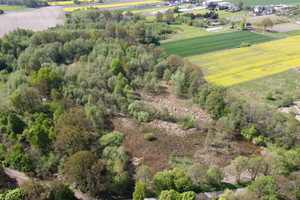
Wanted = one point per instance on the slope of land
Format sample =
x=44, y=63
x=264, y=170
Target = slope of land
x=34, y=19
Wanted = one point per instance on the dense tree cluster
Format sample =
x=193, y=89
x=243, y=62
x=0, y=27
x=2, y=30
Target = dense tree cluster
x=27, y=3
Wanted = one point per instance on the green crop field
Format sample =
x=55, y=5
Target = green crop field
x=283, y=83
x=205, y=44
x=293, y=33
x=6, y=8
x=265, y=2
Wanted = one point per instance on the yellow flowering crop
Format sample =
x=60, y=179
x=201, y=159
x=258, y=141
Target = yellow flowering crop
x=70, y=9
x=65, y=2
x=243, y=64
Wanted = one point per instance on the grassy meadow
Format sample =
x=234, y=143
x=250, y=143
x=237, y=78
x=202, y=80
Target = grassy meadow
x=293, y=33
x=7, y=8
x=244, y=64
x=210, y=43
x=283, y=84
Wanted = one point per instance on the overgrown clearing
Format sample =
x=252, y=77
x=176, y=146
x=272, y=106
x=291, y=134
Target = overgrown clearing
x=280, y=85
x=265, y=2
x=6, y=8
x=201, y=45
x=239, y=65
x=189, y=143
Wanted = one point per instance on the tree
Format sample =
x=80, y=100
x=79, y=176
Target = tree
x=197, y=173
x=164, y=180
x=159, y=17
x=243, y=24
x=140, y=191
x=98, y=177
x=182, y=181
x=116, y=67
x=25, y=99
x=15, y=124
x=112, y=139
x=214, y=175
x=143, y=175
x=60, y=191
x=176, y=9
x=237, y=166
x=266, y=22
x=169, y=15
x=240, y=5
x=2, y=175
x=77, y=168
x=169, y=195
x=256, y=165
x=265, y=187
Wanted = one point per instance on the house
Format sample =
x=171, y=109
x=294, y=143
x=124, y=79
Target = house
x=248, y=25
x=258, y=10
x=185, y=1
x=233, y=7
x=208, y=19
x=298, y=69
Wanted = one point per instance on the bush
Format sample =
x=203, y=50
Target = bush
x=149, y=136
x=287, y=101
x=112, y=139
x=187, y=122
x=169, y=195
x=244, y=44
x=1, y=12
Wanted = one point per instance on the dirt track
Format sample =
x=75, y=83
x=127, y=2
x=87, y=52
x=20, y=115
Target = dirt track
x=33, y=19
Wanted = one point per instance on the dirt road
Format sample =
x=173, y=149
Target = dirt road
x=34, y=19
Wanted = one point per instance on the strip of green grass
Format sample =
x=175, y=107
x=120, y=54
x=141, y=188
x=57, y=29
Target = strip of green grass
x=284, y=83
x=293, y=33
x=6, y=8
x=265, y=2
x=205, y=44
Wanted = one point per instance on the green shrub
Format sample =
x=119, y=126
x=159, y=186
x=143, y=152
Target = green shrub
x=169, y=195
x=190, y=195
x=149, y=136
x=287, y=101
x=112, y=139
x=187, y=122
x=244, y=44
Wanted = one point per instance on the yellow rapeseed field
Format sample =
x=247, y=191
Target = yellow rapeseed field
x=112, y=5
x=243, y=64
x=65, y=2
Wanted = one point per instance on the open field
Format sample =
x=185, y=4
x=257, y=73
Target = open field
x=205, y=44
x=284, y=83
x=265, y=2
x=34, y=19
x=243, y=64
x=284, y=27
x=186, y=31
x=222, y=13
x=7, y=8
x=115, y=5
x=293, y=33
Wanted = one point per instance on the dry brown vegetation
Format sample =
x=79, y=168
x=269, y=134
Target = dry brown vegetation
x=173, y=141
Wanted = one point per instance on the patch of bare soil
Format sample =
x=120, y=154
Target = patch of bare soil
x=284, y=27
x=33, y=19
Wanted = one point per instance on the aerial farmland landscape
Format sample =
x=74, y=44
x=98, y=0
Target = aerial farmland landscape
x=150, y=100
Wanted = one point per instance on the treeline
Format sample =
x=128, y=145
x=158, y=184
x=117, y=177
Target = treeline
x=27, y=3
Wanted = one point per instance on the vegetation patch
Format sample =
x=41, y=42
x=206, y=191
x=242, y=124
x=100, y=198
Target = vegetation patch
x=293, y=33
x=6, y=8
x=271, y=89
x=264, y=2
x=206, y=44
